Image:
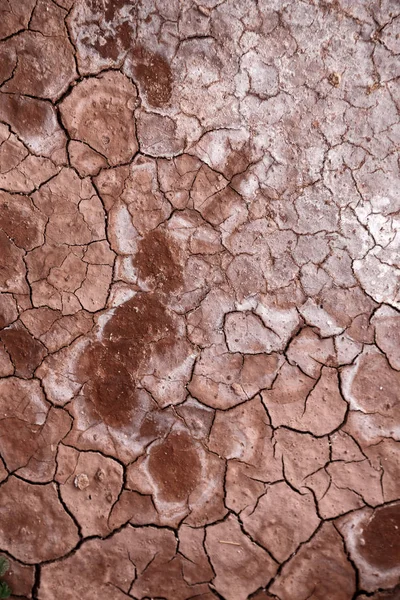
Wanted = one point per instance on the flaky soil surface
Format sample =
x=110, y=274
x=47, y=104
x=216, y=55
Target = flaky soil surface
x=200, y=299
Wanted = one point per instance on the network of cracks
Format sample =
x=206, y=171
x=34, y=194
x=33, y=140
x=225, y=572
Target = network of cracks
x=199, y=299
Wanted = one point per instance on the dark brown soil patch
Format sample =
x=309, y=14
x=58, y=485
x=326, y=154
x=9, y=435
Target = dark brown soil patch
x=382, y=538
x=154, y=76
x=175, y=465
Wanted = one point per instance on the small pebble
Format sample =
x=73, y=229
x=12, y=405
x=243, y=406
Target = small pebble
x=100, y=475
x=81, y=481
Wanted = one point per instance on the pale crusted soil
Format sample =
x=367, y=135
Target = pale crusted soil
x=199, y=299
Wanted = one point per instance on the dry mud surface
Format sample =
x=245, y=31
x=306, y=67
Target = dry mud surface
x=200, y=295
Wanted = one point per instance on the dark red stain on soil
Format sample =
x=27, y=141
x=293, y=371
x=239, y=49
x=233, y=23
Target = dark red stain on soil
x=157, y=260
x=136, y=324
x=140, y=326
x=110, y=47
x=154, y=76
x=107, y=49
x=25, y=351
x=110, y=366
x=382, y=538
x=109, y=8
x=109, y=44
x=176, y=467
x=109, y=386
x=112, y=6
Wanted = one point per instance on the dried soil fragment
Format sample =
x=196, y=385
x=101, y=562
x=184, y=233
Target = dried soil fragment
x=14, y=16
x=387, y=330
x=21, y=221
x=89, y=486
x=371, y=387
x=197, y=568
x=241, y=566
x=183, y=471
x=12, y=267
x=19, y=170
x=97, y=567
x=85, y=160
x=99, y=112
x=24, y=350
x=243, y=436
x=281, y=520
x=45, y=66
x=246, y=333
x=8, y=310
x=298, y=402
x=140, y=560
x=30, y=429
x=309, y=573
x=34, y=524
x=134, y=508
x=35, y=122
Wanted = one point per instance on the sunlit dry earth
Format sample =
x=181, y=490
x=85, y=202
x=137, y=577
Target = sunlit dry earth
x=200, y=296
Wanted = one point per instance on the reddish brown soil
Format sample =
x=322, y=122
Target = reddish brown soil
x=199, y=299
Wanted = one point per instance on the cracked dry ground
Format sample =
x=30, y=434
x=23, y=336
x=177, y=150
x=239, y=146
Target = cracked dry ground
x=200, y=295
